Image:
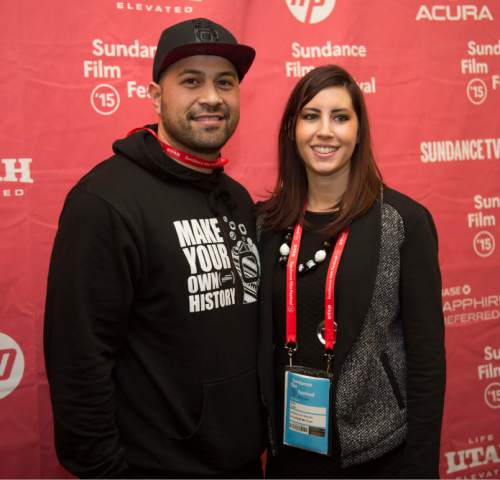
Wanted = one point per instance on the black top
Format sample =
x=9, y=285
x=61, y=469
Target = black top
x=151, y=320
x=310, y=351
x=310, y=299
x=293, y=462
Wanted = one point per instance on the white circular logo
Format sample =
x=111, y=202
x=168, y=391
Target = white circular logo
x=466, y=289
x=484, y=243
x=11, y=365
x=311, y=11
x=477, y=91
x=492, y=395
x=105, y=99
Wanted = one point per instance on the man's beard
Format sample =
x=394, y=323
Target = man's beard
x=204, y=140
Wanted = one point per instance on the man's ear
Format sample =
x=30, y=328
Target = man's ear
x=154, y=91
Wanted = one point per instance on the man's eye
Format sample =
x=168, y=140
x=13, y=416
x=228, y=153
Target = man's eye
x=190, y=82
x=225, y=83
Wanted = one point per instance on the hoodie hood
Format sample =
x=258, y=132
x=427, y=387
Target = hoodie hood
x=143, y=148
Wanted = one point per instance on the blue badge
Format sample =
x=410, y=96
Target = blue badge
x=307, y=410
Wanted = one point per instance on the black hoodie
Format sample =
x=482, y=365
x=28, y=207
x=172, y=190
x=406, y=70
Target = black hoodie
x=151, y=320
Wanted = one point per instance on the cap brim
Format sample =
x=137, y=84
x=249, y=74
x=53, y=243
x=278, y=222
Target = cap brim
x=241, y=56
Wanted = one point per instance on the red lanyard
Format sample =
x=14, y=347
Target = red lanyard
x=184, y=157
x=291, y=291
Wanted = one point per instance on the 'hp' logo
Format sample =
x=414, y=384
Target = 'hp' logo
x=11, y=365
x=311, y=11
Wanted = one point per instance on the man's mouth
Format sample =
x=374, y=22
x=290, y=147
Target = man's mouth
x=208, y=118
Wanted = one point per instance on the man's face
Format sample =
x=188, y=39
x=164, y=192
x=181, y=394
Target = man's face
x=198, y=100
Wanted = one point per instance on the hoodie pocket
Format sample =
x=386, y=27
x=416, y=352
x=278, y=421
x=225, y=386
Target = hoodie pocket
x=231, y=428
x=392, y=379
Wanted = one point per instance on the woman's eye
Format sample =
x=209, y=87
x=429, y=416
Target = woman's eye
x=309, y=116
x=341, y=118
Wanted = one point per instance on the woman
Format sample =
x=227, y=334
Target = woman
x=351, y=313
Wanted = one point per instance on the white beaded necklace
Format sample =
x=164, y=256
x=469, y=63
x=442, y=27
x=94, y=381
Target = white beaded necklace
x=311, y=264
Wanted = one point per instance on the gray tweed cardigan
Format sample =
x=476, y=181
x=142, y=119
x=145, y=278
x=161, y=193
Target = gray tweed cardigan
x=389, y=364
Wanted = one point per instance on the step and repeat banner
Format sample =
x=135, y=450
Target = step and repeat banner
x=74, y=78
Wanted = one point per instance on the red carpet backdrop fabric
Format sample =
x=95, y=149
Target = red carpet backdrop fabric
x=73, y=79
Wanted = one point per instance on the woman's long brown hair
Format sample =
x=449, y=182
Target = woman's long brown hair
x=285, y=205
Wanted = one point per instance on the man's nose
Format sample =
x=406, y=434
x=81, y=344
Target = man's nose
x=210, y=95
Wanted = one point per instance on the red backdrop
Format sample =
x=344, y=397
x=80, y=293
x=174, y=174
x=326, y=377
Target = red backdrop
x=73, y=79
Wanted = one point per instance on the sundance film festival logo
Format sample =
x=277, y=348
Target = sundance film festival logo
x=11, y=365
x=492, y=395
x=311, y=11
x=483, y=243
x=14, y=172
x=477, y=91
x=105, y=99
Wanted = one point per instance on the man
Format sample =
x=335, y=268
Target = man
x=151, y=323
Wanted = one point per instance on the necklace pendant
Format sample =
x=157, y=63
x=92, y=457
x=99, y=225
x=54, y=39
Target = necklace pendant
x=310, y=265
x=319, y=256
x=284, y=249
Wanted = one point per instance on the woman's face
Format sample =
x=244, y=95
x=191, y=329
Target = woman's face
x=326, y=132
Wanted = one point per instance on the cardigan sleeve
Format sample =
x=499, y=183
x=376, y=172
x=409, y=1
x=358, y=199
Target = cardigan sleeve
x=423, y=327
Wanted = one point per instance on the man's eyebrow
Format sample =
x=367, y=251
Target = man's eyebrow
x=229, y=72
x=190, y=71
x=193, y=71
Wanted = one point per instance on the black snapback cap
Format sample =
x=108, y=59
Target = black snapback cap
x=200, y=37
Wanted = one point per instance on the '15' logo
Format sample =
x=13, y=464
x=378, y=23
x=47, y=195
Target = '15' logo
x=311, y=11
